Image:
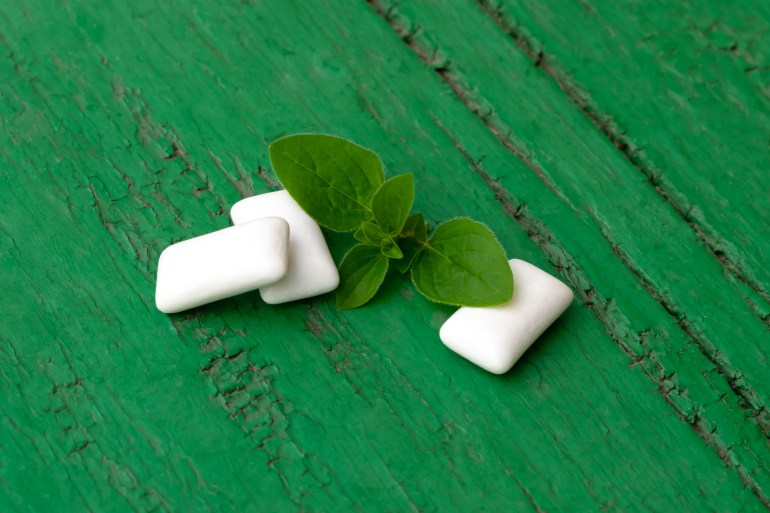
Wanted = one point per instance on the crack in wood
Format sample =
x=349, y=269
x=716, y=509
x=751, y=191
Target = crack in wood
x=718, y=247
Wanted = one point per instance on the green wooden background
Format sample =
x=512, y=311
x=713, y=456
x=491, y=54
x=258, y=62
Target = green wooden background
x=622, y=146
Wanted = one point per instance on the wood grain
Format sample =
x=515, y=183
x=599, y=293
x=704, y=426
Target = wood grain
x=691, y=66
x=126, y=127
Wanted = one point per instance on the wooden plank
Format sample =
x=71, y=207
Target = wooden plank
x=698, y=69
x=140, y=126
x=496, y=81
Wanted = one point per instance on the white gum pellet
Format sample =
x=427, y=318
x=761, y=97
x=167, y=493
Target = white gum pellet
x=311, y=268
x=221, y=264
x=494, y=338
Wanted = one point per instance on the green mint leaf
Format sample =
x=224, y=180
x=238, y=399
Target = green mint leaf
x=370, y=233
x=416, y=228
x=413, y=235
x=391, y=250
x=463, y=264
x=331, y=178
x=360, y=236
x=361, y=274
x=393, y=201
x=410, y=248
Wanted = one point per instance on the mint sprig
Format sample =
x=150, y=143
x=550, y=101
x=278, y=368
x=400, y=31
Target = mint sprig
x=342, y=186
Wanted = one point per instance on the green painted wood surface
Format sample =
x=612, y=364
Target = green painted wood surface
x=621, y=146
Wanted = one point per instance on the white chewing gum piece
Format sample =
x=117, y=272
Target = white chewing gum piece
x=311, y=268
x=221, y=264
x=495, y=337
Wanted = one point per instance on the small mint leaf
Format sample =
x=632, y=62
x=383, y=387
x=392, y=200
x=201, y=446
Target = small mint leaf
x=360, y=236
x=391, y=250
x=331, y=178
x=463, y=264
x=416, y=228
x=410, y=248
x=370, y=233
x=361, y=274
x=393, y=201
